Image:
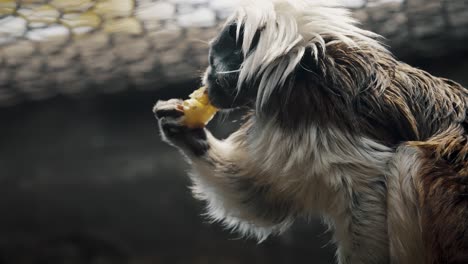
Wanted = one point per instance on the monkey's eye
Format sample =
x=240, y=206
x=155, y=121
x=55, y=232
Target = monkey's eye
x=233, y=32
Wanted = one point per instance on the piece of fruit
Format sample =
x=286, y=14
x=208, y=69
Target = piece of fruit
x=198, y=110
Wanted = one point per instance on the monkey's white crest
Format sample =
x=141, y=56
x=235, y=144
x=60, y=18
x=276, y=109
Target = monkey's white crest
x=288, y=29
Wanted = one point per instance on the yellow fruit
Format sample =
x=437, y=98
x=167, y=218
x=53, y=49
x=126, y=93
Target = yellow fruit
x=198, y=110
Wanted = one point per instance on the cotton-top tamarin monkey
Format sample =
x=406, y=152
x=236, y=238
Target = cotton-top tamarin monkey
x=337, y=126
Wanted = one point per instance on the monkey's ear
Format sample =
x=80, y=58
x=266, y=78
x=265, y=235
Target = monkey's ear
x=309, y=61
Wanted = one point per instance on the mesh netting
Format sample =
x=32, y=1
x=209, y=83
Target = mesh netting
x=73, y=47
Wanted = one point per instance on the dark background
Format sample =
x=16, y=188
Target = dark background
x=89, y=179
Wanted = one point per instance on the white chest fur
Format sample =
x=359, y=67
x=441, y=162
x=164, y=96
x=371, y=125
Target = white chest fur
x=337, y=175
x=345, y=178
x=324, y=154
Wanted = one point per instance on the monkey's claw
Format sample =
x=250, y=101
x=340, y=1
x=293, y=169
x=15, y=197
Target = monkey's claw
x=172, y=108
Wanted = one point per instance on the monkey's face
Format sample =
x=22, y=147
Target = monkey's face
x=221, y=77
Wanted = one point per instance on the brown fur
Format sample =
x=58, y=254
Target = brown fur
x=408, y=104
x=443, y=196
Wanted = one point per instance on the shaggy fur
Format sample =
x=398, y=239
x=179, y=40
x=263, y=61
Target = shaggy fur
x=338, y=127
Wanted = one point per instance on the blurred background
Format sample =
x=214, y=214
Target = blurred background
x=84, y=177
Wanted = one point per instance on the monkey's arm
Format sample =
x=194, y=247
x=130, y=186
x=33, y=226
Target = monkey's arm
x=224, y=177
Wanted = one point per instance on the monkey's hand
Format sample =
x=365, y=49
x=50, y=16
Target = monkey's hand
x=170, y=115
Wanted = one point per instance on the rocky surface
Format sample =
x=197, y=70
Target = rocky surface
x=67, y=47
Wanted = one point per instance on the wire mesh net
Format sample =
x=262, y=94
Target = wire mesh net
x=73, y=47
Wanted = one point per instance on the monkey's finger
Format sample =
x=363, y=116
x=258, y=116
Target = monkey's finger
x=172, y=126
x=172, y=108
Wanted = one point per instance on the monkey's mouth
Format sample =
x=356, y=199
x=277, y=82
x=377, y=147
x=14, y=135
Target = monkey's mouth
x=219, y=99
x=227, y=98
x=218, y=95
